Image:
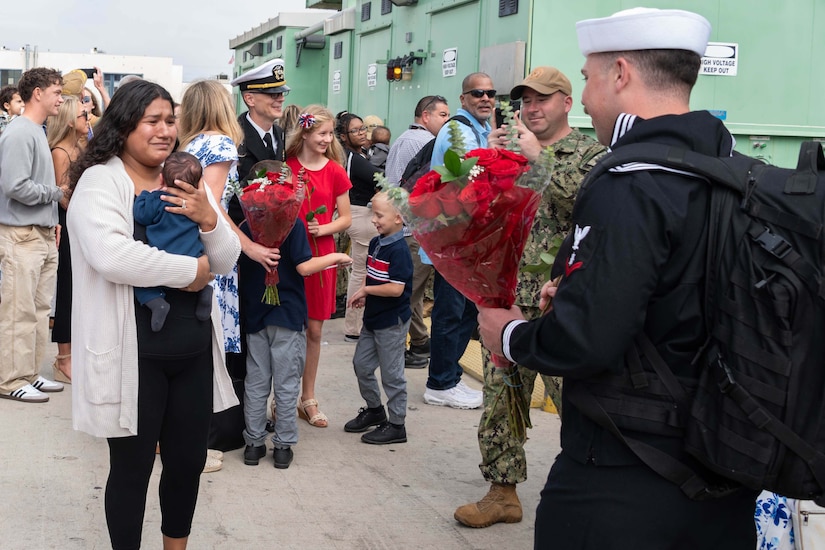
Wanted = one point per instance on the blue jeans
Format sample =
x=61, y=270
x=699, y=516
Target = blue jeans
x=453, y=320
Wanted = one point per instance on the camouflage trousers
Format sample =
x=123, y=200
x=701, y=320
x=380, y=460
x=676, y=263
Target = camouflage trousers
x=502, y=455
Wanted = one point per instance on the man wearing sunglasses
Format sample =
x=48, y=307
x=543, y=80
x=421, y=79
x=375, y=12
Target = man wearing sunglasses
x=453, y=316
x=431, y=112
x=546, y=99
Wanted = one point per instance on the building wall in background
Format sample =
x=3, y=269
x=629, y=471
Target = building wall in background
x=157, y=69
x=774, y=101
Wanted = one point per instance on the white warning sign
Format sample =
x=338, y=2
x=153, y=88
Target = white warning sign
x=448, y=62
x=720, y=59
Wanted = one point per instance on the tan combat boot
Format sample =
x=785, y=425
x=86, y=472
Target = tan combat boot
x=500, y=504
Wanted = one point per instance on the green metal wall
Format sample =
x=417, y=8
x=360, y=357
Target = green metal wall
x=307, y=80
x=430, y=26
x=774, y=101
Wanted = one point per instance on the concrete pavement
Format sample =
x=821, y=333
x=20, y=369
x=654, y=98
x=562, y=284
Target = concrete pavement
x=338, y=493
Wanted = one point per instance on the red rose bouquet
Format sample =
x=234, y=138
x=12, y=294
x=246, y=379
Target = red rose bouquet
x=270, y=204
x=472, y=217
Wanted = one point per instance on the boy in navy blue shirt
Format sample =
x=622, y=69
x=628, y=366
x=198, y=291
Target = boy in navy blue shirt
x=385, y=298
x=276, y=344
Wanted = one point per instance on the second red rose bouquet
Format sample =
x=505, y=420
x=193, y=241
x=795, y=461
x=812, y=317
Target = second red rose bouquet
x=472, y=217
x=270, y=204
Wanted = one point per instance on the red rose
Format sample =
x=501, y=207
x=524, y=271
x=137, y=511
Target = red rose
x=252, y=187
x=282, y=193
x=425, y=206
x=518, y=157
x=503, y=173
x=448, y=196
x=485, y=156
x=428, y=183
x=273, y=176
x=476, y=198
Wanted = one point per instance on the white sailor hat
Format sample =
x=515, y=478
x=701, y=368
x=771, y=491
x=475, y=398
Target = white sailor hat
x=644, y=29
x=269, y=78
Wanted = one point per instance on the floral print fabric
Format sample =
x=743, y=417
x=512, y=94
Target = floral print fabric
x=210, y=149
x=774, y=523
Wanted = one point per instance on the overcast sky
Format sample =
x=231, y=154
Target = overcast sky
x=194, y=34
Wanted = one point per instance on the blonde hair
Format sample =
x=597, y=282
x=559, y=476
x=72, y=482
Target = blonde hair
x=383, y=196
x=207, y=107
x=295, y=140
x=59, y=126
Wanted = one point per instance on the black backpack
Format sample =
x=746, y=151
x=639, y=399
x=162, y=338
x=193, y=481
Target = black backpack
x=757, y=415
x=420, y=163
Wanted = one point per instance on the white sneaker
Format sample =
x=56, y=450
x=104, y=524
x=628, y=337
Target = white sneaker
x=454, y=397
x=475, y=394
x=214, y=453
x=44, y=385
x=27, y=394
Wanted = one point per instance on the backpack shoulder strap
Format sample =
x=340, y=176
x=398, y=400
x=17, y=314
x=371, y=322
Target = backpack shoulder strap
x=811, y=163
x=732, y=171
x=466, y=122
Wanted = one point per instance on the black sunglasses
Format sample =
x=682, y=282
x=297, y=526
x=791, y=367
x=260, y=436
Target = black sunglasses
x=481, y=93
x=435, y=99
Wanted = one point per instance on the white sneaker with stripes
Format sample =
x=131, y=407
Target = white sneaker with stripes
x=27, y=394
x=45, y=385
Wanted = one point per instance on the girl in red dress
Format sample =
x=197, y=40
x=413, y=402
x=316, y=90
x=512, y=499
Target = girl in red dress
x=314, y=155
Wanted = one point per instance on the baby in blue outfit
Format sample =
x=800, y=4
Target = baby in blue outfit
x=171, y=232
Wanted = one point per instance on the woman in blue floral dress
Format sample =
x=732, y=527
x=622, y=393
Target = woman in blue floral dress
x=210, y=131
x=774, y=522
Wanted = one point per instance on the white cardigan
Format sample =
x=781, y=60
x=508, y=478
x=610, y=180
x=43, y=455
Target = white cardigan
x=107, y=262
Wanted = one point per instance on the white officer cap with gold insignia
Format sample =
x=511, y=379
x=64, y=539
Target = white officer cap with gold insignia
x=644, y=29
x=269, y=78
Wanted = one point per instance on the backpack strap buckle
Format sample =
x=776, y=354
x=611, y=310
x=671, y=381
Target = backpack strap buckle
x=774, y=244
x=726, y=380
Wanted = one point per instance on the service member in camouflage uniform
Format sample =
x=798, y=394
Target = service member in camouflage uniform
x=546, y=100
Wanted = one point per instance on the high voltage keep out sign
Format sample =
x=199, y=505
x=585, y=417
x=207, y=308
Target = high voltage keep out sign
x=720, y=59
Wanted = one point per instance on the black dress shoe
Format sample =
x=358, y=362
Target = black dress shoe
x=282, y=457
x=366, y=418
x=270, y=426
x=385, y=434
x=252, y=454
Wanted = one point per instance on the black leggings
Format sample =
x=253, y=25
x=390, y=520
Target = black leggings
x=174, y=408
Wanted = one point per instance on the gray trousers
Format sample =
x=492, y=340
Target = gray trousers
x=275, y=359
x=384, y=349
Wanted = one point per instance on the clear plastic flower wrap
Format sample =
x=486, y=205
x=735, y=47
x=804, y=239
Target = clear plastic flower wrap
x=473, y=217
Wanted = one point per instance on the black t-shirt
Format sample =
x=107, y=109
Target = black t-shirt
x=182, y=335
x=360, y=173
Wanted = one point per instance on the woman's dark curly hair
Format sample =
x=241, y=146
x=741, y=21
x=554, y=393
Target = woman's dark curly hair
x=120, y=119
x=342, y=121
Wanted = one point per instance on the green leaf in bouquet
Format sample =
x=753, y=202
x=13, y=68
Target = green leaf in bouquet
x=321, y=209
x=452, y=162
x=235, y=188
x=467, y=165
x=548, y=258
x=534, y=268
x=445, y=173
x=310, y=216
